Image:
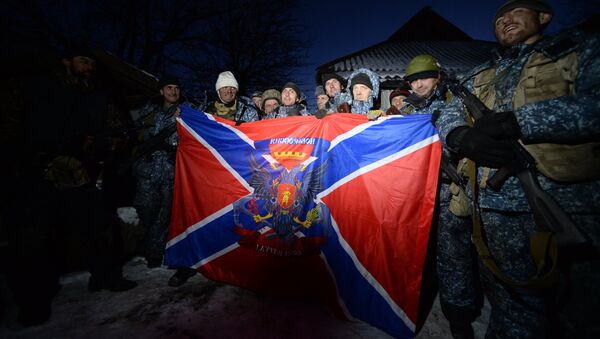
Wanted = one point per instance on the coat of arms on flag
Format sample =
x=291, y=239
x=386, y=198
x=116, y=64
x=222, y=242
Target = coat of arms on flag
x=338, y=208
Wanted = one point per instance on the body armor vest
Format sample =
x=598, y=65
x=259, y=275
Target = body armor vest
x=541, y=79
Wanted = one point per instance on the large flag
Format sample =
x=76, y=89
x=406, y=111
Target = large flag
x=338, y=208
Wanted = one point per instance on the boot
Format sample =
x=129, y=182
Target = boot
x=461, y=330
x=181, y=276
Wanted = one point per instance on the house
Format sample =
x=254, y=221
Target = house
x=456, y=51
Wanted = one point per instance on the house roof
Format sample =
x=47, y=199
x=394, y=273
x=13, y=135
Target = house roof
x=436, y=28
x=455, y=50
x=135, y=85
x=390, y=59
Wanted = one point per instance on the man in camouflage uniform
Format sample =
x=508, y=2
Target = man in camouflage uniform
x=257, y=103
x=458, y=285
x=58, y=202
x=230, y=106
x=292, y=103
x=335, y=88
x=545, y=90
x=155, y=172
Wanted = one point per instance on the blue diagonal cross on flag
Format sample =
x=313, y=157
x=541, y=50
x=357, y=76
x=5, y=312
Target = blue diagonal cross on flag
x=336, y=208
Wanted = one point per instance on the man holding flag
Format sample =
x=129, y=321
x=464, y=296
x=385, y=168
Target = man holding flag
x=305, y=206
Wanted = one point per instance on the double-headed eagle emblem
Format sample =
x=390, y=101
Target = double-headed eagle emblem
x=282, y=196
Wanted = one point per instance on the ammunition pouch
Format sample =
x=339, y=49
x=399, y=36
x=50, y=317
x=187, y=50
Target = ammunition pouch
x=460, y=205
x=66, y=172
x=545, y=77
x=567, y=163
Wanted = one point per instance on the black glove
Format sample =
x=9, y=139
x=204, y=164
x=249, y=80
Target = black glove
x=344, y=108
x=320, y=114
x=481, y=148
x=499, y=125
x=293, y=112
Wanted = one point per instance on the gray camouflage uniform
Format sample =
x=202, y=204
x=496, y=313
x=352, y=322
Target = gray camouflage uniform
x=363, y=107
x=506, y=217
x=155, y=175
x=286, y=111
x=459, y=289
x=244, y=111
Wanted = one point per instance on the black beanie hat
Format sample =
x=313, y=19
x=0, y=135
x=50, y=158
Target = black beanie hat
x=535, y=5
x=363, y=79
x=168, y=80
x=328, y=76
x=294, y=87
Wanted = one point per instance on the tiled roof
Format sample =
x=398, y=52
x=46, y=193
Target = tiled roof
x=389, y=59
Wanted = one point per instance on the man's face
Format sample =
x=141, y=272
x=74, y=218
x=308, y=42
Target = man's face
x=227, y=94
x=270, y=105
x=361, y=92
x=257, y=101
x=288, y=96
x=322, y=101
x=170, y=93
x=332, y=86
x=423, y=88
x=398, y=101
x=520, y=25
x=81, y=66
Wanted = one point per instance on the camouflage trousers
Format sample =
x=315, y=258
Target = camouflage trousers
x=459, y=288
x=565, y=311
x=153, y=202
x=578, y=292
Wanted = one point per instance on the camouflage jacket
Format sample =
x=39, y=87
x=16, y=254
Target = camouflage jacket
x=438, y=104
x=244, y=110
x=561, y=120
x=285, y=111
x=160, y=164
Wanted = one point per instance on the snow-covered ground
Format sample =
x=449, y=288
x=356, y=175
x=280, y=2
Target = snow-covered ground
x=199, y=309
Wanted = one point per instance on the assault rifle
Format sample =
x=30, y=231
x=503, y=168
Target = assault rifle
x=547, y=213
x=154, y=143
x=451, y=171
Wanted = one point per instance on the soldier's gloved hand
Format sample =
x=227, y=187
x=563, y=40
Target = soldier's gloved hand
x=374, y=115
x=480, y=147
x=320, y=114
x=294, y=112
x=344, y=108
x=499, y=125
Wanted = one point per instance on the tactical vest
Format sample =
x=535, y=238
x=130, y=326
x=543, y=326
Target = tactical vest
x=543, y=78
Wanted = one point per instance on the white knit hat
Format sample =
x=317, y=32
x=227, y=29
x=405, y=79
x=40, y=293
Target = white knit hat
x=226, y=79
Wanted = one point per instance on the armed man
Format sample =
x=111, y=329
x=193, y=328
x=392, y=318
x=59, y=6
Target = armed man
x=155, y=171
x=543, y=91
x=460, y=296
x=59, y=198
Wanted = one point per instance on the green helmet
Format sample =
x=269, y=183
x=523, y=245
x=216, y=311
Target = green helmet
x=421, y=67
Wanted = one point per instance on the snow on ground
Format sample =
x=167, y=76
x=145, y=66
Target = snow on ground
x=199, y=309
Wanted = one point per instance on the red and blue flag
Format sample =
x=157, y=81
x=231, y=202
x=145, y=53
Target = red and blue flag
x=338, y=208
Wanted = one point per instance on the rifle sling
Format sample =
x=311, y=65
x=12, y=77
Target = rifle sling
x=544, y=249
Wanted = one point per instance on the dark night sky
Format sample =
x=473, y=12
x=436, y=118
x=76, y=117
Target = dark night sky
x=337, y=28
